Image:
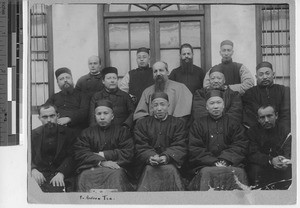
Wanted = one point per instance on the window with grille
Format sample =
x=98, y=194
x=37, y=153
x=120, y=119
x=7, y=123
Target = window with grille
x=39, y=55
x=274, y=42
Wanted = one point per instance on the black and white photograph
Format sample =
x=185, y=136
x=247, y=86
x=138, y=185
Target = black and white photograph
x=158, y=103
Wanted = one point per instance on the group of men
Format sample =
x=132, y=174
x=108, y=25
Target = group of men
x=156, y=131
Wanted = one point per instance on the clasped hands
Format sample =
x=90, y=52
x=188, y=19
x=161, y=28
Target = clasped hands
x=157, y=160
x=280, y=162
x=222, y=163
x=57, y=180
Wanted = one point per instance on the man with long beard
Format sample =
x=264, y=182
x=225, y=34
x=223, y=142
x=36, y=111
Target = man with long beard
x=51, y=158
x=180, y=97
x=71, y=104
x=188, y=73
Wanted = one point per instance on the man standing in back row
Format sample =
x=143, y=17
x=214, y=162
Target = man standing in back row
x=237, y=76
x=188, y=73
x=137, y=80
x=91, y=82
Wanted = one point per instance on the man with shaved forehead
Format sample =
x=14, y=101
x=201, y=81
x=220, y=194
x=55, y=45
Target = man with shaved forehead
x=237, y=76
x=180, y=97
x=217, y=148
x=160, y=143
x=103, y=152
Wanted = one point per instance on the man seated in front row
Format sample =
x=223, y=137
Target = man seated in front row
x=51, y=158
x=269, y=151
x=102, y=153
x=217, y=148
x=160, y=148
x=232, y=101
x=180, y=97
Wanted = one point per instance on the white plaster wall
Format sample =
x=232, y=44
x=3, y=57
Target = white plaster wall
x=75, y=37
x=236, y=23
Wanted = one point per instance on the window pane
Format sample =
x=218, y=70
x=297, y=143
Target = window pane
x=120, y=60
x=197, y=57
x=39, y=94
x=169, y=35
x=118, y=36
x=38, y=44
x=39, y=71
x=171, y=57
x=171, y=8
x=118, y=8
x=133, y=60
x=189, y=7
x=134, y=8
x=190, y=33
x=140, y=35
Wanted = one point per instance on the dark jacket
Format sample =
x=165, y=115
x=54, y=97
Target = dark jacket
x=266, y=144
x=276, y=95
x=90, y=84
x=116, y=143
x=193, y=80
x=232, y=103
x=74, y=106
x=211, y=140
x=63, y=161
x=122, y=106
x=167, y=137
x=139, y=80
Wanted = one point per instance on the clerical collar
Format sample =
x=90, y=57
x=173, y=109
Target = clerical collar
x=226, y=61
x=111, y=91
x=95, y=74
x=144, y=68
x=161, y=119
x=105, y=127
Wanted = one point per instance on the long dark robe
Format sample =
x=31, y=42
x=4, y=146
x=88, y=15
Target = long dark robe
x=264, y=145
x=162, y=137
x=52, y=155
x=211, y=140
x=232, y=103
x=193, y=80
x=117, y=144
x=275, y=95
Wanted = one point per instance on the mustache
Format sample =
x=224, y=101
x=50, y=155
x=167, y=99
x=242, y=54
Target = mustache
x=50, y=125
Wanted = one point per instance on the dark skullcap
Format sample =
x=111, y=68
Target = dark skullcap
x=142, y=49
x=214, y=93
x=216, y=68
x=160, y=95
x=61, y=71
x=264, y=64
x=104, y=102
x=226, y=42
x=108, y=70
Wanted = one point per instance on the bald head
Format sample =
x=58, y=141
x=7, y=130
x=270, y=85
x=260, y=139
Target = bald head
x=94, y=64
x=160, y=68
